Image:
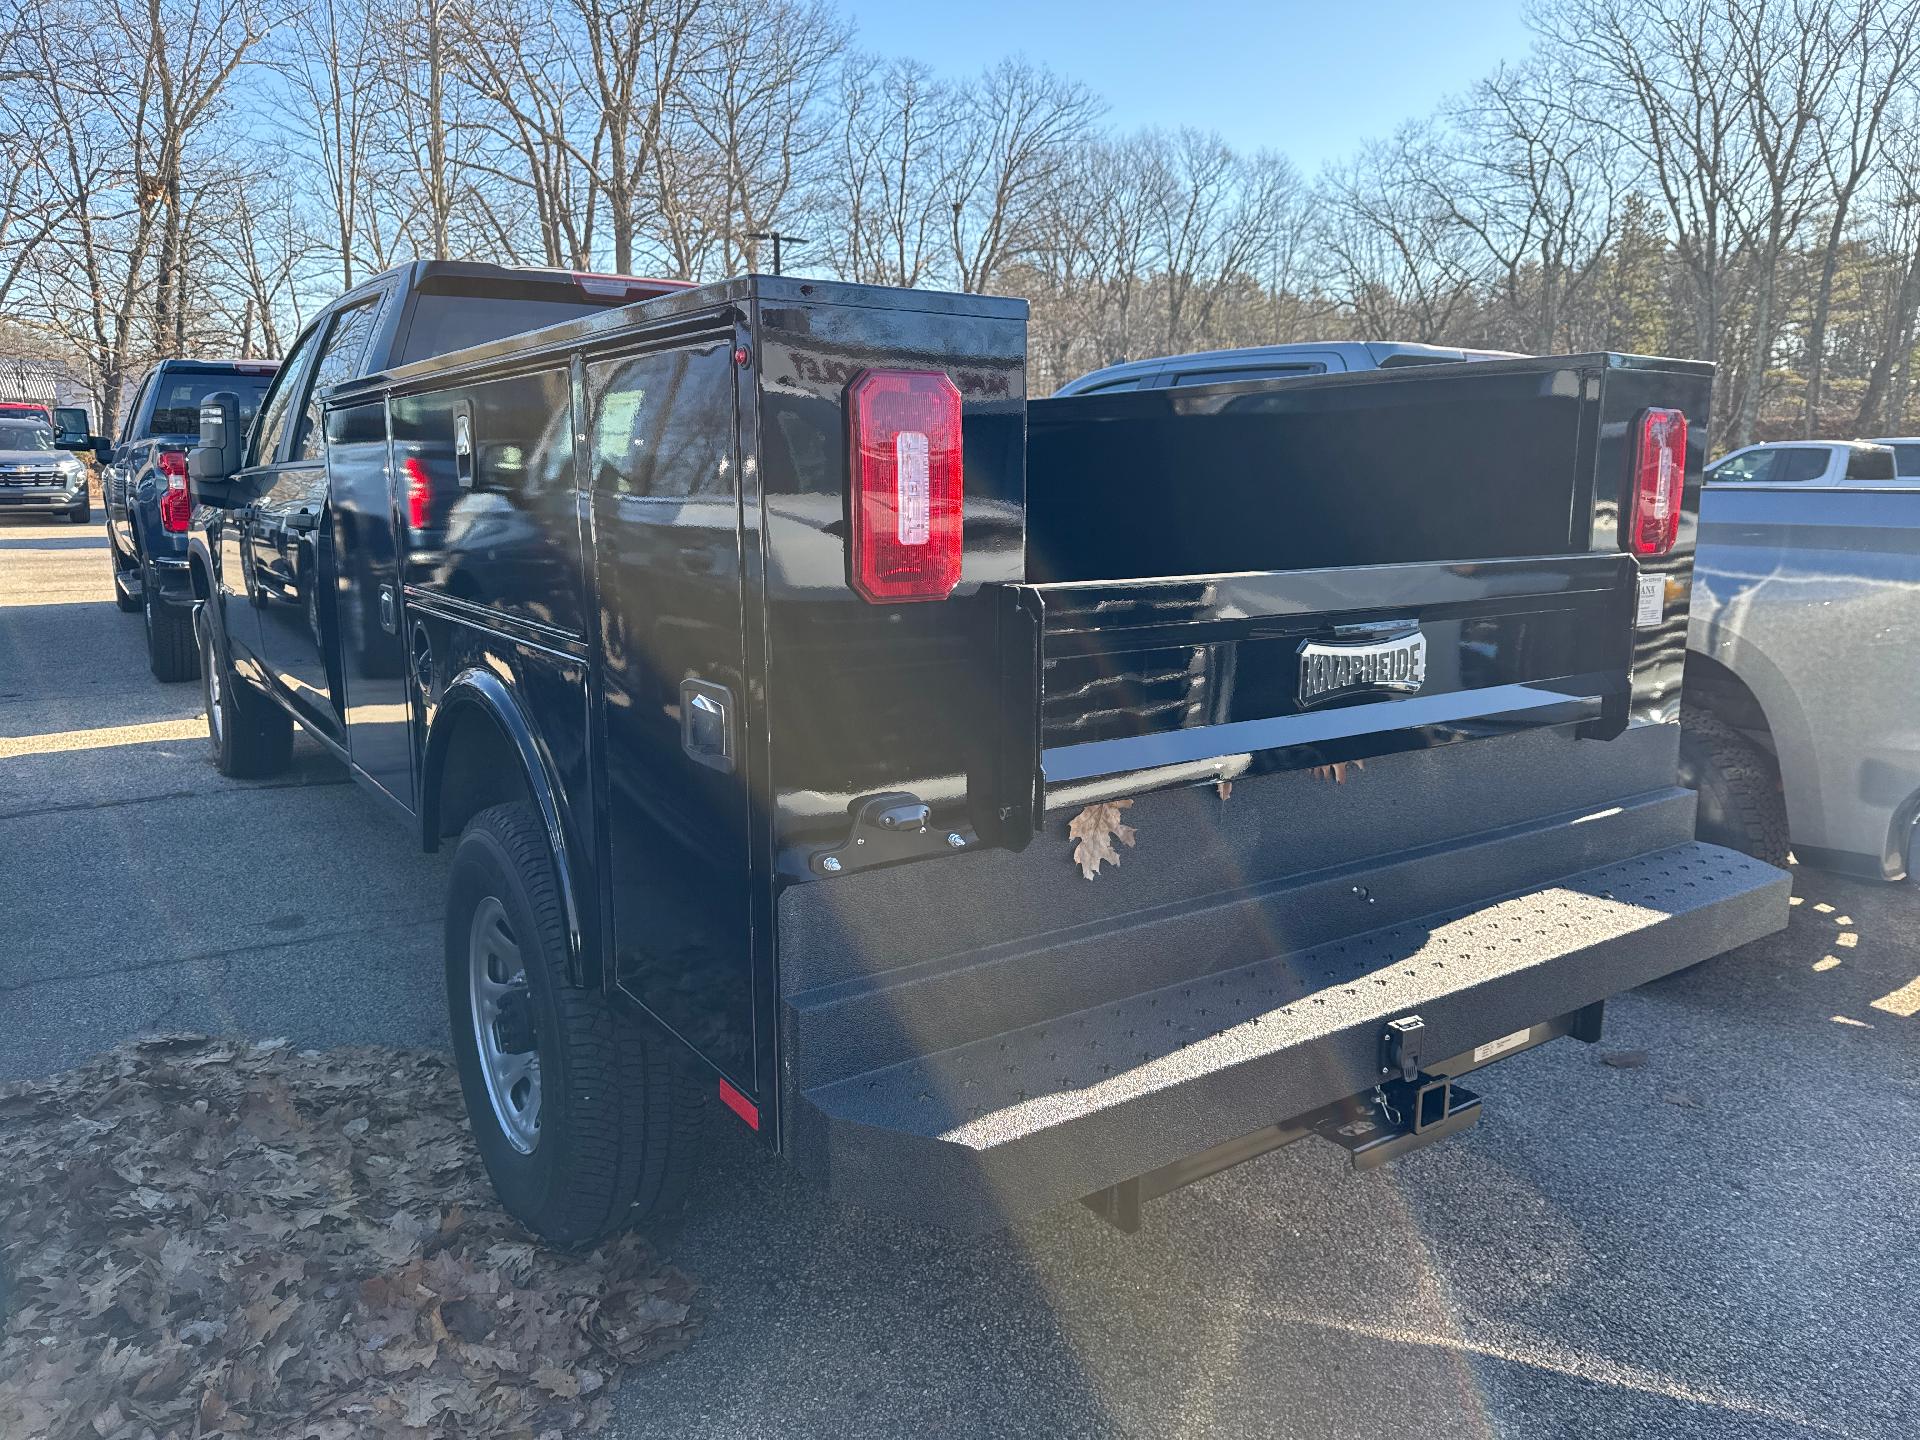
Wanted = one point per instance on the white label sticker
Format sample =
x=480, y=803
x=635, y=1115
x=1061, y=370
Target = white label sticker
x=913, y=488
x=1501, y=1046
x=1652, y=608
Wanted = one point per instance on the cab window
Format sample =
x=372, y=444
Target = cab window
x=1801, y=465
x=1752, y=465
x=1247, y=372
x=340, y=361
x=1870, y=465
x=272, y=426
x=133, y=411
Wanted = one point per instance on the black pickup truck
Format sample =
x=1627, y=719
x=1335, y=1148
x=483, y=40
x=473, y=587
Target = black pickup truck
x=775, y=664
x=144, y=487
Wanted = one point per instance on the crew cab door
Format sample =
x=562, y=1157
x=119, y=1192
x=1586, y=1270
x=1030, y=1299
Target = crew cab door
x=237, y=587
x=289, y=534
x=116, y=478
x=664, y=472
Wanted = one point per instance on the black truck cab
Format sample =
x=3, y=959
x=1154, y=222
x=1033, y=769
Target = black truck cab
x=759, y=644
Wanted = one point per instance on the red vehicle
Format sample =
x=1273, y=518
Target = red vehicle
x=27, y=410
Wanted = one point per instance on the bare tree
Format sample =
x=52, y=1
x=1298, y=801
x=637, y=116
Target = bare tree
x=1650, y=77
x=1879, y=50
x=1400, y=260
x=1018, y=124
x=332, y=57
x=895, y=124
x=1534, y=186
x=754, y=106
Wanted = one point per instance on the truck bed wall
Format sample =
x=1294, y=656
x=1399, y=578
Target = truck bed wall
x=1470, y=462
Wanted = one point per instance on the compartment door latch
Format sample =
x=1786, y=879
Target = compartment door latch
x=1400, y=1045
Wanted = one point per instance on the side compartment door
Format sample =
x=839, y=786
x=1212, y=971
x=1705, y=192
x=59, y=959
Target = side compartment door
x=661, y=451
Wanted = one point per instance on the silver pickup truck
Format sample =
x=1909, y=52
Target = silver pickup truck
x=1802, y=651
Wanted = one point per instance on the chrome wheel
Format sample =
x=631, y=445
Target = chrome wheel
x=503, y=1024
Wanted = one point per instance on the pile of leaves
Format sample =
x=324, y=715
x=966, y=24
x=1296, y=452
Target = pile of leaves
x=202, y=1237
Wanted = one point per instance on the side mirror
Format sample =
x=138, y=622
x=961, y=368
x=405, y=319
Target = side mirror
x=71, y=423
x=102, y=448
x=211, y=463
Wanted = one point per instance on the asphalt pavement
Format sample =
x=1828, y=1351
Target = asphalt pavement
x=1706, y=1225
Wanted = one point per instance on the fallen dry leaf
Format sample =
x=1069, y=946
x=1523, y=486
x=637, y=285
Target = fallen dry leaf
x=211, y=1238
x=1093, y=832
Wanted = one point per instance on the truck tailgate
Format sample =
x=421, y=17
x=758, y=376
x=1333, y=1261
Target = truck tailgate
x=1011, y=1121
x=1108, y=686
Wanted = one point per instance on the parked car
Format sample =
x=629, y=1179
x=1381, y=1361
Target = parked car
x=1268, y=362
x=35, y=477
x=1806, y=462
x=762, y=652
x=1906, y=454
x=144, y=489
x=1801, y=654
x=37, y=412
x=70, y=423
x=405, y=314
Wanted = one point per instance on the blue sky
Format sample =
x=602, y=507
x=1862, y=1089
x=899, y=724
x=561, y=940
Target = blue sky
x=1311, y=78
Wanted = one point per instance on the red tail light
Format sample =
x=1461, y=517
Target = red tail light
x=419, y=493
x=906, y=485
x=1659, y=470
x=176, y=505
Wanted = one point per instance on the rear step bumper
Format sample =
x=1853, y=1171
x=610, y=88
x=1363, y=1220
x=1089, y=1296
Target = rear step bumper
x=983, y=1133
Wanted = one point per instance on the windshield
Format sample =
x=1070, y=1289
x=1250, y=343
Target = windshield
x=177, y=397
x=16, y=436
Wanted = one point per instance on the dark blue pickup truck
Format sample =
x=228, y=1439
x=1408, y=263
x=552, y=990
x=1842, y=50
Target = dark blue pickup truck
x=144, y=486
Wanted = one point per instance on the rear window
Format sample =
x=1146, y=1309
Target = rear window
x=1876, y=464
x=1800, y=465
x=451, y=317
x=1245, y=372
x=177, y=395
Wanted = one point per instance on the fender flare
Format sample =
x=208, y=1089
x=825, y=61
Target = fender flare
x=200, y=562
x=477, y=689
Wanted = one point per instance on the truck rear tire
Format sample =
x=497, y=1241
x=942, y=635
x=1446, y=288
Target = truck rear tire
x=1741, y=803
x=586, y=1120
x=251, y=737
x=171, y=653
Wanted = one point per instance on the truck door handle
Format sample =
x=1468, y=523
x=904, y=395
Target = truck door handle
x=706, y=724
x=389, y=622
